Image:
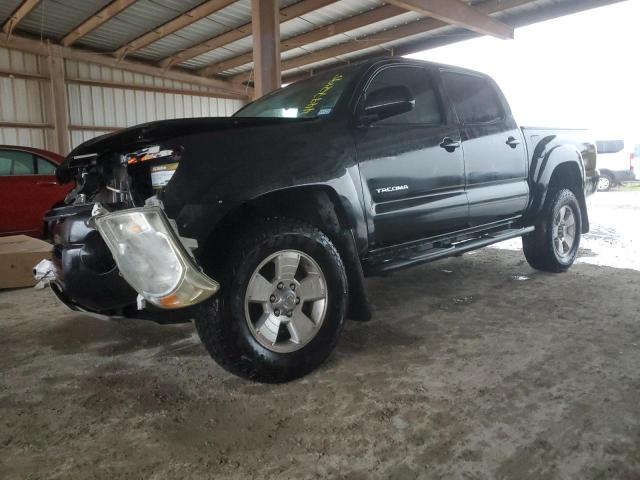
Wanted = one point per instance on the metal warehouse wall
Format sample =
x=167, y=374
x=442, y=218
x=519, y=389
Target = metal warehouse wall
x=96, y=108
x=22, y=98
x=100, y=100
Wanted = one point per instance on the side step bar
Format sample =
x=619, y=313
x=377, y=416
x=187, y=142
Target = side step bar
x=376, y=266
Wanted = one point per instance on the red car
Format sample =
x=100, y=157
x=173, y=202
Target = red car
x=28, y=189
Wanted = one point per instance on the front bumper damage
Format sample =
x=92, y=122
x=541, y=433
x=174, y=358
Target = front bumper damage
x=113, y=261
x=152, y=258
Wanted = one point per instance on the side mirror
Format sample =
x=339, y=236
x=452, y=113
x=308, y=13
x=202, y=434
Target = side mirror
x=387, y=102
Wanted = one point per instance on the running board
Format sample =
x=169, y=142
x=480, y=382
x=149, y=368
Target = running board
x=376, y=266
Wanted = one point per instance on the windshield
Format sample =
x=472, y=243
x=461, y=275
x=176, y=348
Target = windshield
x=311, y=98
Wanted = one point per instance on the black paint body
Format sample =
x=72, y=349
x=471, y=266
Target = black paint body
x=227, y=162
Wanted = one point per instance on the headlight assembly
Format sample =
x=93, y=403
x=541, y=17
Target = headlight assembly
x=152, y=259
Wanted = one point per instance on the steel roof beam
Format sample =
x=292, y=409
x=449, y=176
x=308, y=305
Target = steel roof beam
x=341, y=26
x=243, y=31
x=94, y=21
x=18, y=15
x=392, y=34
x=198, y=13
x=456, y=12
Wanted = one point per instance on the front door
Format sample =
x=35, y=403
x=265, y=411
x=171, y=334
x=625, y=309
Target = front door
x=17, y=184
x=411, y=165
x=28, y=189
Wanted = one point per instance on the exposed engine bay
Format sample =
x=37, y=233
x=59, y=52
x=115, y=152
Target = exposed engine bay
x=126, y=180
x=114, y=225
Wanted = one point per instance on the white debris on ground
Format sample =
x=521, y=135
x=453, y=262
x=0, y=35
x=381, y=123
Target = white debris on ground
x=614, y=236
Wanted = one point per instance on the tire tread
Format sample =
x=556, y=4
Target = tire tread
x=537, y=246
x=220, y=335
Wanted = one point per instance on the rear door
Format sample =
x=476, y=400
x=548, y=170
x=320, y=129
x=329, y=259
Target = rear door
x=494, y=151
x=415, y=186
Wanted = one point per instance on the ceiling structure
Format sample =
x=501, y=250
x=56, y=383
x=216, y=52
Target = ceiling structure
x=213, y=38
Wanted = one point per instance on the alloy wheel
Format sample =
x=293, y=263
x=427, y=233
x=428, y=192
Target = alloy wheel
x=603, y=184
x=564, y=231
x=286, y=301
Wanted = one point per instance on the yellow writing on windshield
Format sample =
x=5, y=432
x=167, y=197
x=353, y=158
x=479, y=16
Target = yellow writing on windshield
x=315, y=100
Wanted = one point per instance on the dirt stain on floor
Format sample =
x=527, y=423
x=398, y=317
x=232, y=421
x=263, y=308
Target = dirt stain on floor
x=83, y=333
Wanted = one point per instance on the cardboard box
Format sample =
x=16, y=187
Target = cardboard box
x=18, y=255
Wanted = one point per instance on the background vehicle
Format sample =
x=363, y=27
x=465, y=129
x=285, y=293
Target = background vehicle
x=28, y=189
x=359, y=171
x=616, y=162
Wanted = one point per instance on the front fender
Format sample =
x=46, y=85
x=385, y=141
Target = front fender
x=199, y=220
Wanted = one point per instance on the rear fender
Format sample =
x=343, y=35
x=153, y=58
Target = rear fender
x=556, y=166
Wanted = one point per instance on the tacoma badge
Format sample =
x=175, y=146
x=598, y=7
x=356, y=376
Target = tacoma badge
x=395, y=188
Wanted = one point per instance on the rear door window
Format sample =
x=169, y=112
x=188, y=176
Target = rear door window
x=45, y=167
x=15, y=162
x=473, y=97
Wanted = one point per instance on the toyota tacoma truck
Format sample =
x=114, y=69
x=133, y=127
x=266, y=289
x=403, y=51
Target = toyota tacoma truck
x=261, y=227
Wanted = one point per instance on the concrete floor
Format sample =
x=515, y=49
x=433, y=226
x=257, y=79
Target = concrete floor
x=473, y=368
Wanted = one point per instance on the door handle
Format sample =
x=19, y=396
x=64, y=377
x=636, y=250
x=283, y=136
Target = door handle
x=449, y=144
x=512, y=142
x=46, y=183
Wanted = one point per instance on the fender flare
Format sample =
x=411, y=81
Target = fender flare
x=549, y=161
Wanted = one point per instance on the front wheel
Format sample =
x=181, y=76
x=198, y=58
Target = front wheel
x=282, y=303
x=553, y=246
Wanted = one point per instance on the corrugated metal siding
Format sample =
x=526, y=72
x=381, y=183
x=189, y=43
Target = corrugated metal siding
x=140, y=18
x=303, y=24
x=22, y=100
x=233, y=16
x=55, y=18
x=7, y=7
x=109, y=107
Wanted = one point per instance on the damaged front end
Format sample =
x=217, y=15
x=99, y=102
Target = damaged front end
x=151, y=257
x=116, y=252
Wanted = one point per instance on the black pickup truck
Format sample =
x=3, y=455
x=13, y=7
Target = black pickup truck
x=261, y=227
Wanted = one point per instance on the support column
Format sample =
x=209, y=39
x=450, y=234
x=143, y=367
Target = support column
x=265, y=26
x=59, y=104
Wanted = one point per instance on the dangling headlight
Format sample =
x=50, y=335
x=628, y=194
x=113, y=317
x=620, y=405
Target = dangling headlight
x=152, y=259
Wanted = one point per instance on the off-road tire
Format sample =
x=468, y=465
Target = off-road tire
x=221, y=323
x=538, y=245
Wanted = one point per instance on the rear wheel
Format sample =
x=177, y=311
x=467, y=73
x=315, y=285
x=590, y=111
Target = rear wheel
x=282, y=303
x=553, y=246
